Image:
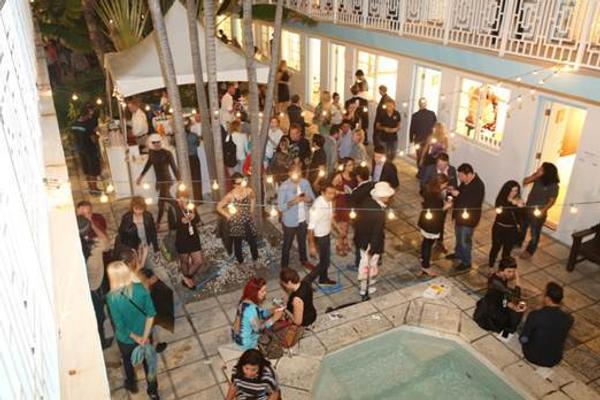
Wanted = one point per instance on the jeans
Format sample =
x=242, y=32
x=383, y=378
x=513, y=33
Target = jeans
x=288, y=237
x=237, y=246
x=98, y=303
x=390, y=149
x=503, y=237
x=535, y=225
x=324, y=245
x=126, y=350
x=164, y=196
x=426, y=246
x=464, y=243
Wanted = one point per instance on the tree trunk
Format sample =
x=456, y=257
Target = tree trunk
x=257, y=153
x=192, y=15
x=168, y=72
x=272, y=71
x=97, y=39
x=213, y=93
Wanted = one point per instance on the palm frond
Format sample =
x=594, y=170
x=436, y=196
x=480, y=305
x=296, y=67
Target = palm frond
x=125, y=21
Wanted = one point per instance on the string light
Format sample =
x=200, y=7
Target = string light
x=428, y=214
x=321, y=172
x=417, y=146
x=181, y=187
x=384, y=106
x=534, y=73
x=194, y=111
x=405, y=104
x=340, y=167
x=231, y=209
x=383, y=159
x=273, y=212
x=352, y=214
x=147, y=108
x=110, y=188
x=294, y=176
x=302, y=114
x=573, y=209
x=215, y=185
x=99, y=101
x=433, y=140
x=74, y=97
x=519, y=98
x=365, y=109
x=190, y=206
x=443, y=97
x=401, y=153
x=391, y=215
x=537, y=212
x=532, y=92
x=542, y=81
x=103, y=198
x=363, y=163
x=519, y=79
x=146, y=185
x=244, y=183
x=498, y=210
x=260, y=114
x=281, y=115
x=238, y=114
x=216, y=112
x=148, y=200
x=465, y=214
x=324, y=113
x=270, y=179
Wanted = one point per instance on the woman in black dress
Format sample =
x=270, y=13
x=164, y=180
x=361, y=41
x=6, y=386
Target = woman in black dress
x=187, y=239
x=283, y=86
x=505, y=230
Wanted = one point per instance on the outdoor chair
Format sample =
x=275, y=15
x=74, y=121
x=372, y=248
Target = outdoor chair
x=585, y=249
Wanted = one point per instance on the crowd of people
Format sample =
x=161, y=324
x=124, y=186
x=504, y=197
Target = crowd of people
x=326, y=181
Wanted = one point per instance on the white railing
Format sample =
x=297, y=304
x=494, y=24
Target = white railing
x=561, y=31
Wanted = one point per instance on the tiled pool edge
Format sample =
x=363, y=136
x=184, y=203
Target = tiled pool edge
x=449, y=318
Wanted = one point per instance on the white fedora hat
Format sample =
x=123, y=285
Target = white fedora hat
x=382, y=189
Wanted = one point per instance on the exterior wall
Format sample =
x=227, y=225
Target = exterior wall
x=47, y=315
x=515, y=158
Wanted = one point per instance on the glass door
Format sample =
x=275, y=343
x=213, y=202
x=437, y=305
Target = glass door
x=337, y=69
x=313, y=83
x=427, y=84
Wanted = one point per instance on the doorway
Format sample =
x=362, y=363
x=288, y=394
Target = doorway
x=313, y=89
x=337, y=69
x=559, y=142
x=427, y=83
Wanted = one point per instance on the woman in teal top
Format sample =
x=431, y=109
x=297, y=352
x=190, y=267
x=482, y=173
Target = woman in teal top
x=132, y=313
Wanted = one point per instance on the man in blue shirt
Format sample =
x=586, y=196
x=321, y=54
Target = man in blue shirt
x=294, y=198
x=345, y=141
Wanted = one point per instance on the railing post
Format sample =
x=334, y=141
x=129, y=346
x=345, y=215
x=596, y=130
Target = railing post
x=335, y=11
x=448, y=19
x=401, y=17
x=592, y=9
x=365, y=12
x=505, y=28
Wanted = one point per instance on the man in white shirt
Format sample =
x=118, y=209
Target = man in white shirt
x=273, y=139
x=139, y=121
x=226, y=112
x=319, y=233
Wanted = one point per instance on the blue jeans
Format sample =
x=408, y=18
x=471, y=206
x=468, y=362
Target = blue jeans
x=535, y=225
x=464, y=243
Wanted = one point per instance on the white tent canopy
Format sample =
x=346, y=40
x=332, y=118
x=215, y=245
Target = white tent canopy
x=137, y=69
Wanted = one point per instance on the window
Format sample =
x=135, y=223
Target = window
x=427, y=84
x=379, y=70
x=290, y=49
x=266, y=33
x=237, y=30
x=482, y=112
x=337, y=69
x=314, y=71
x=224, y=23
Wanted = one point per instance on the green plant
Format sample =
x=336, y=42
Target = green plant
x=62, y=20
x=125, y=21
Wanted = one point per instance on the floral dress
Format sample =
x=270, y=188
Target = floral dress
x=241, y=223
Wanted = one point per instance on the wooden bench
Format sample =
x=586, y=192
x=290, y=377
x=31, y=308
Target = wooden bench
x=585, y=250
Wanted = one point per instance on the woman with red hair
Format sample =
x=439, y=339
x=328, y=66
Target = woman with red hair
x=252, y=318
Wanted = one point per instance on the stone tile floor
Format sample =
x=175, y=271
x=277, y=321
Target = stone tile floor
x=190, y=368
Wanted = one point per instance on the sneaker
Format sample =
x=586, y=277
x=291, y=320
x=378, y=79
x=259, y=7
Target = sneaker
x=372, y=290
x=327, y=282
x=308, y=266
x=131, y=387
x=160, y=347
x=451, y=256
x=462, y=267
x=504, y=337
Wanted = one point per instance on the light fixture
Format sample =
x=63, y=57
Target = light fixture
x=401, y=153
x=194, y=111
x=190, y=206
x=260, y=114
x=443, y=97
x=269, y=179
x=238, y=114
x=428, y=214
x=146, y=185
x=465, y=214
x=148, y=200
x=537, y=212
x=365, y=109
x=324, y=113
x=273, y=212
x=231, y=209
x=352, y=214
x=244, y=182
x=519, y=98
x=103, y=198
x=215, y=185
x=498, y=210
x=170, y=110
x=433, y=140
x=110, y=188
x=340, y=167
x=573, y=209
x=363, y=163
x=216, y=112
x=99, y=101
x=74, y=97
x=417, y=146
x=181, y=187
x=391, y=215
x=281, y=115
x=404, y=104
x=147, y=108
x=519, y=79
x=294, y=176
x=321, y=172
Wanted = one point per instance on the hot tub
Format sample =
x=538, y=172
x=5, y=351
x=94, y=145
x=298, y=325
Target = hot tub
x=408, y=364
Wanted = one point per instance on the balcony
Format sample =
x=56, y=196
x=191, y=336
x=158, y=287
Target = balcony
x=557, y=31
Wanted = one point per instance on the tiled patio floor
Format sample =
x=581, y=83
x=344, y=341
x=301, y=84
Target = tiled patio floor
x=190, y=368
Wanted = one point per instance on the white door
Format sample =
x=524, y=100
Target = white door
x=337, y=69
x=313, y=83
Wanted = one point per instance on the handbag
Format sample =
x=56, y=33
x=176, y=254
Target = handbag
x=367, y=266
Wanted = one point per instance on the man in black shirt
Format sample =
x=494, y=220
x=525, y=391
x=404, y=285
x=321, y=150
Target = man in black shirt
x=299, y=148
x=383, y=169
x=421, y=126
x=380, y=111
x=86, y=145
x=468, y=199
x=296, y=114
x=387, y=129
x=545, y=331
x=362, y=108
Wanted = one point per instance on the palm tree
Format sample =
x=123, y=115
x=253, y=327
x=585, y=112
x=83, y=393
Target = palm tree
x=192, y=17
x=213, y=93
x=125, y=21
x=168, y=72
x=257, y=153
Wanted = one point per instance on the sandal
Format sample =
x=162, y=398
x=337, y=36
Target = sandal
x=427, y=272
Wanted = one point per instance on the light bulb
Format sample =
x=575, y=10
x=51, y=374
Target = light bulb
x=99, y=101
x=363, y=163
x=532, y=92
x=365, y=109
x=148, y=200
x=146, y=185
x=231, y=208
x=324, y=113
x=321, y=172
x=537, y=212
x=181, y=187
x=281, y=115
x=103, y=198
x=170, y=110
x=433, y=140
x=260, y=114
x=508, y=106
x=215, y=185
x=74, y=97
x=391, y=215
x=147, y=108
x=194, y=111
x=443, y=97
x=542, y=81
x=110, y=188
x=417, y=146
x=519, y=79
x=465, y=214
x=294, y=176
x=238, y=114
x=273, y=212
x=269, y=178
x=383, y=159
x=498, y=210
x=405, y=104
x=190, y=206
x=428, y=215
x=352, y=214
x=534, y=73
x=244, y=182
x=302, y=114
x=573, y=209
x=340, y=167
x=384, y=106
x=216, y=112
x=401, y=153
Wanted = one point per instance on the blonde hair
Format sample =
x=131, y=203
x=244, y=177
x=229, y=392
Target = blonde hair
x=440, y=131
x=120, y=277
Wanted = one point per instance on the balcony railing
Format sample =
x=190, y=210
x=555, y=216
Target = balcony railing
x=560, y=31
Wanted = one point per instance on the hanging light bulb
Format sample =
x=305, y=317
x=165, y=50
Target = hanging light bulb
x=238, y=114
x=428, y=214
x=573, y=209
x=244, y=182
x=401, y=153
x=465, y=214
x=363, y=163
x=534, y=73
x=365, y=109
x=146, y=185
x=103, y=198
x=352, y=214
x=321, y=172
x=231, y=209
x=294, y=176
x=147, y=108
x=99, y=101
x=542, y=81
x=537, y=212
x=507, y=106
x=433, y=140
x=170, y=110
x=443, y=97
x=148, y=200
x=194, y=111
x=190, y=206
x=324, y=113
x=273, y=211
x=110, y=188
x=215, y=185
x=340, y=167
x=383, y=159
x=384, y=106
x=216, y=112
x=498, y=210
x=417, y=146
x=260, y=114
x=519, y=79
x=532, y=92
x=281, y=115
x=302, y=114
x=404, y=104
x=74, y=97
x=391, y=215
x=269, y=179
x=181, y=187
